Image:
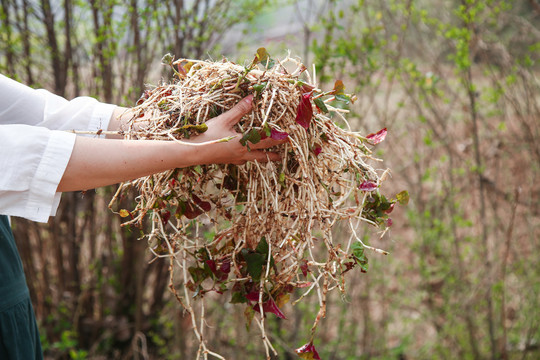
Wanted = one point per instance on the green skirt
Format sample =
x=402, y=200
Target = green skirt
x=19, y=336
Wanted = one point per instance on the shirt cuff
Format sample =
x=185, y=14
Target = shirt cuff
x=43, y=199
x=101, y=116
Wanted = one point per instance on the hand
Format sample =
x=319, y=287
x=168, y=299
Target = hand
x=232, y=152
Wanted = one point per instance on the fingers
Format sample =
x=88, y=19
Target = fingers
x=266, y=143
x=234, y=115
x=263, y=156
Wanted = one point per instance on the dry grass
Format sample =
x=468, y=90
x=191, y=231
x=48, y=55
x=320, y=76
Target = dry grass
x=267, y=219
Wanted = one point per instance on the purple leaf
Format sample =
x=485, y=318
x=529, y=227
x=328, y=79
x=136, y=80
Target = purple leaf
x=389, y=222
x=367, y=186
x=377, y=137
x=253, y=296
x=278, y=135
x=270, y=306
x=308, y=352
x=226, y=266
x=304, y=111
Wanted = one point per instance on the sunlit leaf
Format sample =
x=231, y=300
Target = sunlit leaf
x=339, y=88
x=264, y=58
x=403, y=197
x=249, y=313
x=198, y=128
x=282, y=299
x=377, y=137
x=123, y=213
x=308, y=352
x=304, y=112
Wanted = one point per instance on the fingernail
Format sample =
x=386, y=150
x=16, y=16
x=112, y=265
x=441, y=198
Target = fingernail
x=249, y=99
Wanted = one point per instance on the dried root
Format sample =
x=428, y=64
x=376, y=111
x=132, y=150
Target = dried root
x=262, y=217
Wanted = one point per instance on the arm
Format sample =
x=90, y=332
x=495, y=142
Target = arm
x=98, y=162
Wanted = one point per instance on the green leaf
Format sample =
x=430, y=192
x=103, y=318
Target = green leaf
x=238, y=298
x=198, y=128
x=259, y=87
x=341, y=97
x=403, y=197
x=255, y=262
x=359, y=255
x=320, y=105
x=167, y=59
x=262, y=248
x=253, y=136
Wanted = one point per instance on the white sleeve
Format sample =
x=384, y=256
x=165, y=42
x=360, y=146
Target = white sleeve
x=33, y=157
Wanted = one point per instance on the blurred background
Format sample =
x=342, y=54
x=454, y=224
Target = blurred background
x=456, y=82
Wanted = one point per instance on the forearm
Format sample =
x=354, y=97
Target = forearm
x=98, y=162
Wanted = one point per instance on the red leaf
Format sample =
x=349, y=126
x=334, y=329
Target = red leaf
x=191, y=212
x=367, y=186
x=390, y=209
x=308, y=352
x=304, y=268
x=253, y=296
x=304, y=111
x=165, y=216
x=377, y=137
x=205, y=205
x=278, y=135
x=212, y=265
x=307, y=88
x=317, y=150
x=271, y=307
x=389, y=222
x=226, y=266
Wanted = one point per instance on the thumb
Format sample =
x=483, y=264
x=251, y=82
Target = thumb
x=234, y=115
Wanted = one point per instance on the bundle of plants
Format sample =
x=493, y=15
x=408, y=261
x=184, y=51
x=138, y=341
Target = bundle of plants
x=258, y=233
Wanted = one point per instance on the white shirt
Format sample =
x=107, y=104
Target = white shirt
x=34, y=151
